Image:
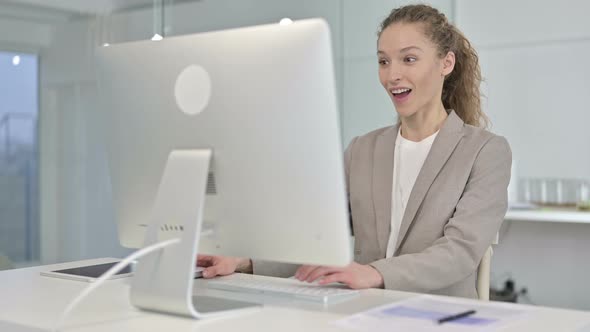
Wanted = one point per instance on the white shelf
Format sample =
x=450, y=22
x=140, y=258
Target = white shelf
x=555, y=216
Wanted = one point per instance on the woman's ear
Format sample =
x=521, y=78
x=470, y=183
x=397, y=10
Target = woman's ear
x=448, y=63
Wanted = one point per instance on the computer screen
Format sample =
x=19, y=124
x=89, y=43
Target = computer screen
x=262, y=99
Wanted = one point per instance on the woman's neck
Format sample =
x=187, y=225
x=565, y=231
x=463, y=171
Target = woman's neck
x=423, y=124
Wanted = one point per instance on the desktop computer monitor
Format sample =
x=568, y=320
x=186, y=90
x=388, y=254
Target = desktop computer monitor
x=262, y=100
x=247, y=116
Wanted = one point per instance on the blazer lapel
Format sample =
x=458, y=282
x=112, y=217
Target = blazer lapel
x=443, y=146
x=382, y=178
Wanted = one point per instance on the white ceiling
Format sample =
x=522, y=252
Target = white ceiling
x=53, y=11
x=82, y=6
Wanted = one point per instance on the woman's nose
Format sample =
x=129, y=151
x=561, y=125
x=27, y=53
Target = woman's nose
x=394, y=75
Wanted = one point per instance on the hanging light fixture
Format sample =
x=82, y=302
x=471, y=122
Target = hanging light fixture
x=158, y=20
x=285, y=21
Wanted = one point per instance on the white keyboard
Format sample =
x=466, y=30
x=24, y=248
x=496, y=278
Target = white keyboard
x=309, y=292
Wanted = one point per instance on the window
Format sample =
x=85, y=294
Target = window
x=19, y=220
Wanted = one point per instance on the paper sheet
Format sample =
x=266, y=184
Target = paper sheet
x=422, y=313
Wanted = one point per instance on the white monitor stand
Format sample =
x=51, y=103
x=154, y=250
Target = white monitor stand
x=163, y=281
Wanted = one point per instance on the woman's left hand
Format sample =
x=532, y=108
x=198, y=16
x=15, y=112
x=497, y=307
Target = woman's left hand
x=355, y=276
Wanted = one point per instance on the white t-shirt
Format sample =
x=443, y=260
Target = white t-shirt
x=408, y=159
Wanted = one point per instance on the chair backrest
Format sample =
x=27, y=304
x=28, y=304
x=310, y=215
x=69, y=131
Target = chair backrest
x=483, y=276
x=5, y=263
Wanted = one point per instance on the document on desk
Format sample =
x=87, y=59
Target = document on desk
x=431, y=314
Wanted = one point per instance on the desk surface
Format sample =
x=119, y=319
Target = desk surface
x=551, y=216
x=31, y=302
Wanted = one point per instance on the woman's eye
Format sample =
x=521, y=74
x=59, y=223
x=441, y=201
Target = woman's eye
x=382, y=62
x=409, y=59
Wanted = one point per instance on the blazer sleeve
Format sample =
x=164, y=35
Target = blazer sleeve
x=468, y=233
x=347, y=162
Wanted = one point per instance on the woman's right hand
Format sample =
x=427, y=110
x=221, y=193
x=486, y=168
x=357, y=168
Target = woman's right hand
x=223, y=265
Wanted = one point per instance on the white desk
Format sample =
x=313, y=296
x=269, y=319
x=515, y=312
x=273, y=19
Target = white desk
x=31, y=302
x=552, y=216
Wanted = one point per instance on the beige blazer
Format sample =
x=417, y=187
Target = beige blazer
x=454, y=211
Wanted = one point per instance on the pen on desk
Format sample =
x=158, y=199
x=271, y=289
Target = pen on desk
x=453, y=317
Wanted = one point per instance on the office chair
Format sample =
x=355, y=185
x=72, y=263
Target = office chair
x=483, y=276
x=483, y=272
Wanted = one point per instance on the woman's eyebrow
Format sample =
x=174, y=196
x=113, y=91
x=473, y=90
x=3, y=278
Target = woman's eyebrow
x=406, y=49
x=403, y=50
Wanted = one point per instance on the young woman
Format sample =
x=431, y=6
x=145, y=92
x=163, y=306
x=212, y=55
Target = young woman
x=428, y=194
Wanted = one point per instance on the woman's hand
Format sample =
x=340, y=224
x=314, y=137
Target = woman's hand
x=355, y=276
x=223, y=265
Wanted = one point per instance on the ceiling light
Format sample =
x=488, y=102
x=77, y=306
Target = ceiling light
x=16, y=60
x=286, y=21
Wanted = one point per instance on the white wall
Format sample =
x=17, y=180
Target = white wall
x=24, y=33
x=537, y=79
x=534, y=60
x=549, y=259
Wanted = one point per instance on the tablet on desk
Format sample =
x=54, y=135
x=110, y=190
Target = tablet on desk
x=90, y=273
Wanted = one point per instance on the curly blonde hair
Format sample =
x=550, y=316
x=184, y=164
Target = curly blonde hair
x=461, y=87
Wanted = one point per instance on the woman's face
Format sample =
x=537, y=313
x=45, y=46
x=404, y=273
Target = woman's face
x=410, y=69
